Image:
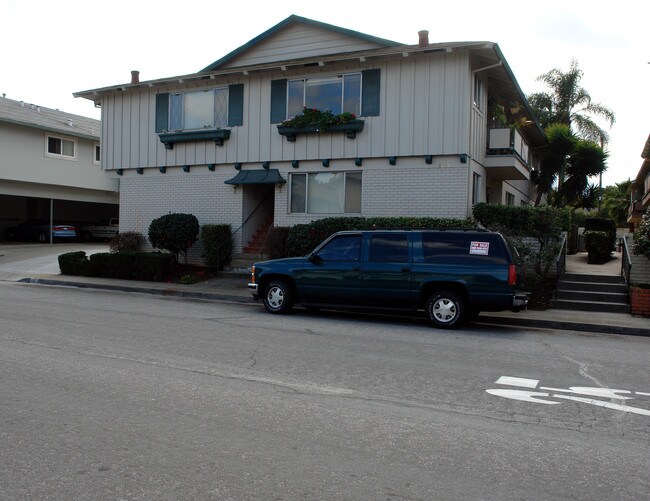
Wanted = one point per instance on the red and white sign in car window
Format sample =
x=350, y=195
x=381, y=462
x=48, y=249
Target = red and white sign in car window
x=479, y=248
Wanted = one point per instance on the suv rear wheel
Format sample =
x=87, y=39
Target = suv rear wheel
x=278, y=297
x=446, y=309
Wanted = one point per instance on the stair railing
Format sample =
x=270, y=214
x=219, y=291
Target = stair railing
x=232, y=235
x=626, y=265
x=560, y=260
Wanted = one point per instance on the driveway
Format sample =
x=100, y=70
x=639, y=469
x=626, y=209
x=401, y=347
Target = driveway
x=20, y=260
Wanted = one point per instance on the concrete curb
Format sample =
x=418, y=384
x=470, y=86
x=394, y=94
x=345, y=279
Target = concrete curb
x=142, y=290
x=561, y=325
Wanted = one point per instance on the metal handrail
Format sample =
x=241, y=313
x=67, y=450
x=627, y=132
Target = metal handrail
x=626, y=265
x=560, y=260
x=232, y=234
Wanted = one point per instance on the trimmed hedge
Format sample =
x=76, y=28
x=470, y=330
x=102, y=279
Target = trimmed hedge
x=153, y=266
x=598, y=245
x=602, y=224
x=129, y=241
x=303, y=238
x=276, y=242
x=217, y=244
x=521, y=220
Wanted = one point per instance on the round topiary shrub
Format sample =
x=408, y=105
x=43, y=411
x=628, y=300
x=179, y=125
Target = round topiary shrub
x=175, y=233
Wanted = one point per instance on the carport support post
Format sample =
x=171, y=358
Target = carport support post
x=51, y=220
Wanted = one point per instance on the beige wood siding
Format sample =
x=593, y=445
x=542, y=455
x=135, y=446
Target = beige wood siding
x=300, y=41
x=425, y=110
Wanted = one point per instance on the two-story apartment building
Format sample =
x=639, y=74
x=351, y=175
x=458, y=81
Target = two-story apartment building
x=424, y=141
x=50, y=166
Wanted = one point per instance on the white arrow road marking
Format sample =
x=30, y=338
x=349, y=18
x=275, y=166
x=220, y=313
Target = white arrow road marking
x=608, y=405
x=591, y=391
x=525, y=396
x=518, y=381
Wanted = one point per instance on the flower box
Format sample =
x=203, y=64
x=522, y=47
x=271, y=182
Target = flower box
x=216, y=135
x=350, y=129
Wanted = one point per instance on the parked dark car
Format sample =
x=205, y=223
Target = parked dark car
x=39, y=230
x=451, y=275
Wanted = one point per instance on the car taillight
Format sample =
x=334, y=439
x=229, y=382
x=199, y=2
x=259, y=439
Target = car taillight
x=512, y=274
x=253, y=274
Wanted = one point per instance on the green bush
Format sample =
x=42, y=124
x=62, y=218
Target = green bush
x=154, y=266
x=642, y=236
x=598, y=246
x=303, y=238
x=518, y=220
x=175, y=233
x=602, y=224
x=276, y=242
x=129, y=241
x=217, y=244
x=73, y=263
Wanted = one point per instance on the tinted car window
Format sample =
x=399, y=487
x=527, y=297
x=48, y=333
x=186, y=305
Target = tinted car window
x=389, y=248
x=458, y=248
x=343, y=248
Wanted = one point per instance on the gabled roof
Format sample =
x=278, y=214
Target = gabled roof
x=39, y=117
x=293, y=19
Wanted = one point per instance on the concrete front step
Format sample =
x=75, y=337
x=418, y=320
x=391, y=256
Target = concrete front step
x=563, y=304
x=592, y=286
x=594, y=297
x=604, y=279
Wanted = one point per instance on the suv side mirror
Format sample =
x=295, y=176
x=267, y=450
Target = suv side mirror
x=315, y=259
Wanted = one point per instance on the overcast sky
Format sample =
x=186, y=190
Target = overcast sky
x=48, y=50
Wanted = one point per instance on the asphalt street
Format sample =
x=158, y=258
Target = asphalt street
x=107, y=395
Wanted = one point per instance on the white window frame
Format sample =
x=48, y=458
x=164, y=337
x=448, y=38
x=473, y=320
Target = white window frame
x=60, y=155
x=306, y=194
x=510, y=197
x=214, y=124
x=342, y=76
x=97, y=150
x=476, y=188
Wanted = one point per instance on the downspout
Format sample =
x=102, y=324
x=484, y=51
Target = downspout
x=469, y=139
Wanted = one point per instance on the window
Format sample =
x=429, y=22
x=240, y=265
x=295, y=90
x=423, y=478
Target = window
x=510, y=198
x=198, y=110
x=389, y=248
x=342, y=248
x=60, y=147
x=476, y=188
x=326, y=193
x=478, y=93
x=337, y=94
x=97, y=154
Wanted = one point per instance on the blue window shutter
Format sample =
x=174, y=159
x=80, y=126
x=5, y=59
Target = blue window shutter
x=278, y=101
x=162, y=112
x=370, y=93
x=236, y=105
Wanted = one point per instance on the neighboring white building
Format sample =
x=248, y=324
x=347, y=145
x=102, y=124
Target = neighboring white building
x=49, y=160
x=209, y=144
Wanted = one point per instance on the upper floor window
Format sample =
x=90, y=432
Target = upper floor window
x=61, y=147
x=510, y=198
x=198, y=110
x=476, y=188
x=326, y=193
x=338, y=94
x=97, y=154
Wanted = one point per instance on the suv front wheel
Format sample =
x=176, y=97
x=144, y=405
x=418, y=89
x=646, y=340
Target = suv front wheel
x=446, y=309
x=278, y=297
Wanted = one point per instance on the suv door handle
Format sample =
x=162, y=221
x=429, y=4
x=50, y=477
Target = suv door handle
x=406, y=270
x=356, y=269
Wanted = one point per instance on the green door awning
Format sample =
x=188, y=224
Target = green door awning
x=260, y=176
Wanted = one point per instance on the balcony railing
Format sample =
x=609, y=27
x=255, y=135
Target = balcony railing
x=508, y=154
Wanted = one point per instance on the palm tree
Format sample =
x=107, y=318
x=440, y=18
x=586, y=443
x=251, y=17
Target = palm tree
x=570, y=104
x=616, y=202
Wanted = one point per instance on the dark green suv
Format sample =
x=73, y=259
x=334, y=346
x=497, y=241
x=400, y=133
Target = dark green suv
x=451, y=274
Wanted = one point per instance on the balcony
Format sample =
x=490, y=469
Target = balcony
x=635, y=212
x=507, y=155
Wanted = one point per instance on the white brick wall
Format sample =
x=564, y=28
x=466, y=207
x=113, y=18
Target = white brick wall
x=200, y=192
x=410, y=188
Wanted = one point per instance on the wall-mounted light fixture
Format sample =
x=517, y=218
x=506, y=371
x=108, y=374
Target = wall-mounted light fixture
x=186, y=168
x=211, y=167
x=295, y=164
x=162, y=169
x=392, y=160
x=358, y=162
